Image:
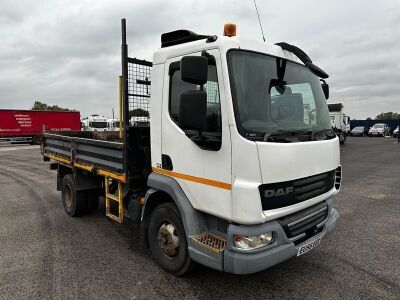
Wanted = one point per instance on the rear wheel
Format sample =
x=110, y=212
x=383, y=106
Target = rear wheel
x=75, y=202
x=167, y=239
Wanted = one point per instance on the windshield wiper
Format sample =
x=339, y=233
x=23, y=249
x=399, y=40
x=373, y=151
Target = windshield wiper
x=287, y=136
x=297, y=135
x=328, y=133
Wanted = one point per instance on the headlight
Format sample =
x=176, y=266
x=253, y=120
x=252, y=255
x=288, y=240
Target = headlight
x=253, y=242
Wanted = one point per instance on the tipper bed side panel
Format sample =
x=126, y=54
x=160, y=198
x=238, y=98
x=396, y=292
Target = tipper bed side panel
x=100, y=154
x=57, y=145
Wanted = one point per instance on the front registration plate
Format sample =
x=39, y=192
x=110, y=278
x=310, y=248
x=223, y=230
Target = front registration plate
x=309, y=246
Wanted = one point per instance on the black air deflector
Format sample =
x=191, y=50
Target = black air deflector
x=180, y=37
x=304, y=58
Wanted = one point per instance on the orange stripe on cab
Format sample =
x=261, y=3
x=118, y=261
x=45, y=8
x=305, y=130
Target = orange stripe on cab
x=214, y=183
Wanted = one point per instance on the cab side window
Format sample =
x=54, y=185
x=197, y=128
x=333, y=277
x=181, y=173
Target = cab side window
x=177, y=87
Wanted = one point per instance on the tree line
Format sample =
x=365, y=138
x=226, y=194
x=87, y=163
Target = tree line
x=43, y=106
x=388, y=116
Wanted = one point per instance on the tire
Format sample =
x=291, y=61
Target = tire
x=75, y=202
x=177, y=261
x=92, y=200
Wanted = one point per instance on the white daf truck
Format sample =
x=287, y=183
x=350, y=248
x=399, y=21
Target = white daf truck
x=340, y=122
x=238, y=168
x=113, y=125
x=95, y=123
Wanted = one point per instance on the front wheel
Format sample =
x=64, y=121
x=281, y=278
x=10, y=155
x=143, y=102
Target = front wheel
x=167, y=239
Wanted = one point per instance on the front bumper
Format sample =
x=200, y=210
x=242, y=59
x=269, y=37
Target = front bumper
x=378, y=133
x=356, y=133
x=245, y=262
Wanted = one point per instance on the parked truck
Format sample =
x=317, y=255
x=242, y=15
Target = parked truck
x=113, y=125
x=26, y=126
x=340, y=122
x=237, y=169
x=95, y=123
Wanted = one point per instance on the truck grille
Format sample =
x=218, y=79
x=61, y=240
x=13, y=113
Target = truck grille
x=305, y=222
x=313, y=186
x=281, y=194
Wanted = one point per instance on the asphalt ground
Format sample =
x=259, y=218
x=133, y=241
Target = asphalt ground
x=46, y=254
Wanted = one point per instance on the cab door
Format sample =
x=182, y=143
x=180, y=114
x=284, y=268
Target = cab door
x=204, y=173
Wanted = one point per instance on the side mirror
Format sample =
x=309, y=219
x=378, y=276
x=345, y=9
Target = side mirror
x=193, y=110
x=194, y=69
x=325, y=88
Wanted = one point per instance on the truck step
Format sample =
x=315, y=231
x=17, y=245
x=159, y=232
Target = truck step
x=211, y=241
x=117, y=198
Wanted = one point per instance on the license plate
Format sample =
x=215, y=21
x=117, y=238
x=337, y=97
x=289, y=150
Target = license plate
x=309, y=246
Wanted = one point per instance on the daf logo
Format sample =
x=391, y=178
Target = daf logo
x=278, y=192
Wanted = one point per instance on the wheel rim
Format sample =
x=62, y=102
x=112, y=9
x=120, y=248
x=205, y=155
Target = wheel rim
x=68, y=197
x=168, y=239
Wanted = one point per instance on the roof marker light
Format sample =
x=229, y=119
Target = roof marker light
x=230, y=29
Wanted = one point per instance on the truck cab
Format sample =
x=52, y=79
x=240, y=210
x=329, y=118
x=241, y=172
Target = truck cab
x=95, y=123
x=113, y=124
x=340, y=122
x=244, y=133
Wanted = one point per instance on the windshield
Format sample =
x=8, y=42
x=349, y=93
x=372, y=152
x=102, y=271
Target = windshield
x=379, y=126
x=272, y=95
x=98, y=124
x=358, y=128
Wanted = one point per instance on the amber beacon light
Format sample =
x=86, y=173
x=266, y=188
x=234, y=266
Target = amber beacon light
x=230, y=29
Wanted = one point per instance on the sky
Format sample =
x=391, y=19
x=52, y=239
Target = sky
x=68, y=52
